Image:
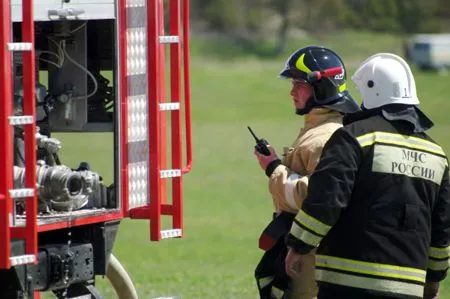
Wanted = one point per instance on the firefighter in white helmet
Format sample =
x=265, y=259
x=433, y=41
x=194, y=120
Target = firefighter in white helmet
x=319, y=93
x=378, y=205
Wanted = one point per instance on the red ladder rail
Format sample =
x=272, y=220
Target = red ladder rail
x=175, y=94
x=6, y=149
x=8, y=229
x=154, y=131
x=29, y=108
x=187, y=86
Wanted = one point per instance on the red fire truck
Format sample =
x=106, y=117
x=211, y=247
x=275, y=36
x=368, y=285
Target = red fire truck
x=88, y=66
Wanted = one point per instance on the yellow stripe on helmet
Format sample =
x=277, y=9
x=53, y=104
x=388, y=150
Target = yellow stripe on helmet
x=300, y=64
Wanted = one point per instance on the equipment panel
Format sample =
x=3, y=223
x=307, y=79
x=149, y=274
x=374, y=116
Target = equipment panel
x=47, y=10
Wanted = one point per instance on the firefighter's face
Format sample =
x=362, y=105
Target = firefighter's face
x=301, y=92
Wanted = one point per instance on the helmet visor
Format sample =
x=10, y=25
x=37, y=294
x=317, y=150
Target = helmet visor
x=292, y=73
x=285, y=74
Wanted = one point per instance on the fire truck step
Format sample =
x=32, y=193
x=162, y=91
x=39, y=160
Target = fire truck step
x=21, y=193
x=170, y=173
x=171, y=233
x=22, y=259
x=169, y=106
x=20, y=46
x=169, y=39
x=21, y=120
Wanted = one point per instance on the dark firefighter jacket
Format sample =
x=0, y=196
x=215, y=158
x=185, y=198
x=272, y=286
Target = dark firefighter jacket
x=379, y=206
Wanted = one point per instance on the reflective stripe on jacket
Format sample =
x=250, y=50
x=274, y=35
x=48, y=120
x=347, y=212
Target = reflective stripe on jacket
x=378, y=209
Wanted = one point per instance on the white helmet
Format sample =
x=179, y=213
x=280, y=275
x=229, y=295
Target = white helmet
x=384, y=79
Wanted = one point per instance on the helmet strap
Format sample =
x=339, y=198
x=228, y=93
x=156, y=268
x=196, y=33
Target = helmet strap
x=310, y=104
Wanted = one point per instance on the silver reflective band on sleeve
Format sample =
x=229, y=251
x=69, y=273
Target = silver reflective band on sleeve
x=398, y=139
x=304, y=235
x=277, y=293
x=312, y=223
x=438, y=265
x=263, y=282
x=289, y=189
x=439, y=253
x=376, y=284
x=374, y=269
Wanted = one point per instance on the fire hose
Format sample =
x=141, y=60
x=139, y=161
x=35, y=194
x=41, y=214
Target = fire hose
x=120, y=280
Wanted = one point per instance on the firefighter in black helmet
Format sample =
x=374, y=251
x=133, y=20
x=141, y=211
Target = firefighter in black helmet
x=319, y=93
x=310, y=65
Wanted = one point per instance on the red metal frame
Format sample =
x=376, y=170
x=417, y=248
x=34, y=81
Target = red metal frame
x=29, y=108
x=154, y=119
x=29, y=233
x=157, y=120
x=6, y=150
x=175, y=94
x=80, y=221
x=187, y=87
x=123, y=85
x=163, y=99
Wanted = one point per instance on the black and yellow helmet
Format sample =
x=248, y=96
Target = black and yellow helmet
x=325, y=71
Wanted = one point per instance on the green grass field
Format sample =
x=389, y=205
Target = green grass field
x=227, y=203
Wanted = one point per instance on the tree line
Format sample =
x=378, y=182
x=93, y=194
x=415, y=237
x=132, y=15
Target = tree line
x=255, y=20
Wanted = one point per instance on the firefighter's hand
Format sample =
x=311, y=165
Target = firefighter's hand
x=265, y=160
x=431, y=290
x=293, y=263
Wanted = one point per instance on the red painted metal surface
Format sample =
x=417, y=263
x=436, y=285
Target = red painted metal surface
x=175, y=94
x=157, y=119
x=143, y=212
x=6, y=149
x=163, y=99
x=116, y=215
x=123, y=85
x=29, y=233
x=29, y=108
x=154, y=118
x=187, y=87
x=157, y=124
x=21, y=232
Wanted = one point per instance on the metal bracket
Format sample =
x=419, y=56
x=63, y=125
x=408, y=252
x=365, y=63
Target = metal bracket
x=22, y=259
x=169, y=106
x=20, y=46
x=64, y=13
x=171, y=233
x=170, y=173
x=21, y=193
x=21, y=120
x=169, y=39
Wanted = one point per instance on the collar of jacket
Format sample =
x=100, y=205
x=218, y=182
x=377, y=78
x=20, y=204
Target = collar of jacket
x=410, y=114
x=318, y=116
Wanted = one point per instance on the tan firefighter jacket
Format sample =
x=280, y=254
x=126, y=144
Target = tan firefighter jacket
x=288, y=183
